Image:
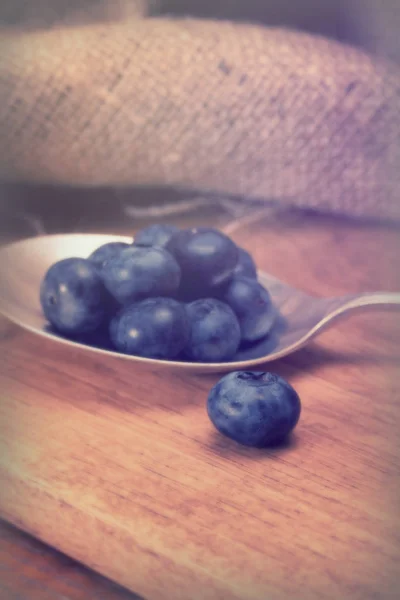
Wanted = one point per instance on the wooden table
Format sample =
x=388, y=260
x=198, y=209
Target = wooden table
x=169, y=508
x=30, y=570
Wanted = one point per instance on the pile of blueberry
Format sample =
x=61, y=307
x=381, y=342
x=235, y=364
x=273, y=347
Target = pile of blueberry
x=188, y=294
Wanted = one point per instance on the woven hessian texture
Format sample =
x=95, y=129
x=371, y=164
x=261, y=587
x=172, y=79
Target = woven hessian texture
x=209, y=106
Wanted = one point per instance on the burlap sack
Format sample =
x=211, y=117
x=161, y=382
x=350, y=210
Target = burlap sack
x=107, y=98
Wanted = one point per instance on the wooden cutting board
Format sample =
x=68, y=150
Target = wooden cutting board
x=121, y=469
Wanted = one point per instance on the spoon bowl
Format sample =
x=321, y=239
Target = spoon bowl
x=299, y=317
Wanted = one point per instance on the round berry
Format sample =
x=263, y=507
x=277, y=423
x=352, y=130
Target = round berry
x=106, y=252
x=254, y=408
x=73, y=297
x=153, y=328
x=207, y=259
x=214, y=331
x=245, y=265
x=252, y=305
x=139, y=272
x=155, y=235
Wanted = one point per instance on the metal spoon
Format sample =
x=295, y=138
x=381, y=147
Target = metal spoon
x=299, y=317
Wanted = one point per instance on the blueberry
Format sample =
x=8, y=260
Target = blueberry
x=155, y=235
x=214, y=331
x=207, y=259
x=245, y=265
x=73, y=297
x=106, y=252
x=252, y=305
x=139, y=272
x=254, y=408
x=154, y=328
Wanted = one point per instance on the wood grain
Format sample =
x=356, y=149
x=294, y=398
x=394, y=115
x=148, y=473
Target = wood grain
x=121, y=469
x=33, y=571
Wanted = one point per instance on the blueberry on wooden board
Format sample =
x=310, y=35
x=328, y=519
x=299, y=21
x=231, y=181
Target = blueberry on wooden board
x=254, y=408
x=207, y=259
x=73, y=296
x=137, y=273
x=152, y=328
x=106, y=252
x=252, y=305
x=214, y=331
x=155, y=235
x=245, y=265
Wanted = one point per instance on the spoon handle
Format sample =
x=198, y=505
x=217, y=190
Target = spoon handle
x=370, y=299
x=336, y=307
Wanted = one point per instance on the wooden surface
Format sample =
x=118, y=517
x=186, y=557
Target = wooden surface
x=30, y=570
x=121, y=470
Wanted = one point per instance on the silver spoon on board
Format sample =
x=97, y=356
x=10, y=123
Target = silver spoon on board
x=301, y=317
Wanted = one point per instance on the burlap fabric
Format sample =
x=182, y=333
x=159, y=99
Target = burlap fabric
x=108, y=98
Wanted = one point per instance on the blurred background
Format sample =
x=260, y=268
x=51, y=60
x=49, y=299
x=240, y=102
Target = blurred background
x=369, y=24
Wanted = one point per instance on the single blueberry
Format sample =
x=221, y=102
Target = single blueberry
x=207, y=259
x=139, y=272
x=155, y=235
x=106, y=252
x=245, y=265
x=254, y=408
x=252, y=305
x=214, y=331
x=73, y=297
x=153, y=328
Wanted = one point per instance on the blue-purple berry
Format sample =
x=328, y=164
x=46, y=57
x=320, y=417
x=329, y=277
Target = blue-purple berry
x=138, y=273
x=252, y=304
x=73, y=297
x=155, y=235
x=254, y=408
x=214, y=331
x=207, y=259
x=152, y=328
